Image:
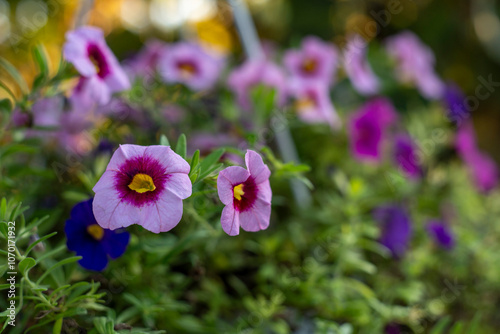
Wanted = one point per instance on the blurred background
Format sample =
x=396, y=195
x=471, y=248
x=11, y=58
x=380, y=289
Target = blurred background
x=465, y=35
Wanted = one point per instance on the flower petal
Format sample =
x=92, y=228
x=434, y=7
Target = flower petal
x=111, y=213
x=172, y=162
x=162, y=216
x=180, y=185
x=115, y=243
x=230, y=220
x=257, y=217
x=93, y=256
x=124, y=153
x=259, y=171
x=226, y=181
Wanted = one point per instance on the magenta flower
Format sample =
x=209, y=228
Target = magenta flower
x=142, y=185
x=357, y=67
x=253, y=73
x=189, y=64
x=482, y=167
x=415, y=64
x=405, y=156
x=316, y=61
x=87, y=50
x=246, y=194
x=313, y=103
x=368, y=127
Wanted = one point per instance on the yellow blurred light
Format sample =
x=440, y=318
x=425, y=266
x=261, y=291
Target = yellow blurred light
x=487, y=26
x=215, y=34
x=171, y=14
x=135, y=14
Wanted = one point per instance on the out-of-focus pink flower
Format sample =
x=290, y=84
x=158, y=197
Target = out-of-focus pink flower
x=482, y=167
x=368, y=127
x=144, y=63
x=405, y=156
x=207, y=142
x=316, y=60
x=87, y=50
x=415, y=64
x=189, y=64
x=253, y=73
x=246, y=194
x=313, y=103
x=357, y=67
x=142, y=185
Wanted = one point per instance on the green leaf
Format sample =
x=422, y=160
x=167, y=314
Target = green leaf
x=194, y=164
x=26, y=264
x=7, y=89
x=474, y=324
x=57, y=326
x=40, y=57
x=181, y=147
x=207, y=163
x=57, y=265
x=164, y=140
x=28, y=250
x=18, y=78
x=440, y=326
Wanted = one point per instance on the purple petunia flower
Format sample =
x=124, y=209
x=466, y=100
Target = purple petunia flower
x=357, y=67
x=142, y=185
x=253, y=73
x=189, y=64
x=454, y=101
x=415, y=64
x=246, y=194
x=313, y=103
x=316, y=61
x=482, y=167
x=87, y=50
x=396, y=228
x=90, y=241
x=441, y=233
x=405, y=156
x=368, y=127
x=144, y=63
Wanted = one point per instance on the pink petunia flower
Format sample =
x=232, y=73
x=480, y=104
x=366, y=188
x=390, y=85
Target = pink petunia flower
x=316, y=61
x=313, y=103
x=415, y=64
x=189, y=64
x=482, y=167
x=246, y=194
x=142, y=185
x=357, y=67
x=253, y=73
x=87, y=50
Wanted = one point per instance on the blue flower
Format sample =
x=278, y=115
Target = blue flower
x=91, y=241
x=396, y=228
x=441, y=233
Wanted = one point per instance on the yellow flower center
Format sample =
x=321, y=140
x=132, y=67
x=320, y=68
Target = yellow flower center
x=238, y=191
x=95, y=231
x=142, y=183
x=187, y=70
x=309, y=65
x=304, y=104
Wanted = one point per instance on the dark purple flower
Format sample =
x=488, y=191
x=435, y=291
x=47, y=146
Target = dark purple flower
x=441, y=233
x=368, y=127
x=191, y=65
x=253, y=73
x=392, y=329
x=406, y=157
x=482, y=167
x=396, y=228
x=454, y=101
x=415, y=64
x=315, y=61
x=90, y=241
x=87, y=50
